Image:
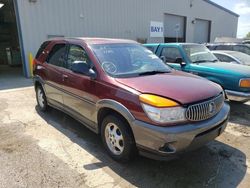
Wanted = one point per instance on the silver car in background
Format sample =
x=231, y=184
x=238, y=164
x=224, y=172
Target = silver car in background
x=232, y=57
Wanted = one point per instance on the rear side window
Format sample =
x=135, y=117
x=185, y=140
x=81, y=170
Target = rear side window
x=171, y=54
x=57, y=55
x=41, y=49
x=224, y=47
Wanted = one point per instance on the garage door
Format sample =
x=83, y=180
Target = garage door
x=201, y=31
x=174, y=28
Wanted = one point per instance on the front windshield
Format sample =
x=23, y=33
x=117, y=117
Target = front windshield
x=199, y=54
x=244, y=58
x=128, y=60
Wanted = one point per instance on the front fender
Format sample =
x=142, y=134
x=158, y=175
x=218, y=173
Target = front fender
x=116, y=106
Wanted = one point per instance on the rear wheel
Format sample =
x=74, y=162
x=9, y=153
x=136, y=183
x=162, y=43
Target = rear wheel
x=118, y=138
x=41, y=98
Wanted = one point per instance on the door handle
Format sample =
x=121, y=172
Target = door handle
x=64, y=77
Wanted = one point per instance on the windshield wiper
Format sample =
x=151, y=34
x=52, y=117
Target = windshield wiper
x=153, y=72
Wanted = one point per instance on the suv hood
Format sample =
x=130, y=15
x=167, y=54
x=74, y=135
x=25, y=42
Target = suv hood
x=241, y=70
x=182, y=87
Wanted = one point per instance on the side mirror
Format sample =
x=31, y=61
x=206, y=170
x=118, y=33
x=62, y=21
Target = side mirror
x=180, y=61
x=92, y=74
x=82, y=67
x=163, y=58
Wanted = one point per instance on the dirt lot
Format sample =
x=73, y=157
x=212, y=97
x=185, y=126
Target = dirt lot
x=53, y=150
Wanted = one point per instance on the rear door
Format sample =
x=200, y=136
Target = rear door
x=54, y=66
x=79, y=90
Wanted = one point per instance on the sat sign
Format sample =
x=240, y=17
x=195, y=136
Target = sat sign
x=156, y=29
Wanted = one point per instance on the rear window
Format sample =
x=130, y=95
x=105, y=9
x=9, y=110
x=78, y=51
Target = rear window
x=151, y=48
x=41, y=49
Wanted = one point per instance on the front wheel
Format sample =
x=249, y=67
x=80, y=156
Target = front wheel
x=41, y=99
x=118, y=139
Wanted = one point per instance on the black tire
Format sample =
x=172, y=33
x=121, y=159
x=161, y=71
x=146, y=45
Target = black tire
x=45, y=106
x=129, y=151
x=238, y=102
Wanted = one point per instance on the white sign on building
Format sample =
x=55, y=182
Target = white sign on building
x=156, y=29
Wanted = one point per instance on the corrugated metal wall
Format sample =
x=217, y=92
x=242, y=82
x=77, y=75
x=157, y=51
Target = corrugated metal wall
x=112, y=18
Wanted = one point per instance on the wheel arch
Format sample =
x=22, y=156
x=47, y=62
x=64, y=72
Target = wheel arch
x=38, y=81
x=107, y=106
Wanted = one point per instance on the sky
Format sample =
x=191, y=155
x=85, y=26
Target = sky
x=241, y=7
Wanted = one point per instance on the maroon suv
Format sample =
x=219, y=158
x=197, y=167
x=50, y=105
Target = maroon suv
x=122, y=91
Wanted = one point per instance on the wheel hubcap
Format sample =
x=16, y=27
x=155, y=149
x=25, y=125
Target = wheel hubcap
x=114, y=138
x=40, y=97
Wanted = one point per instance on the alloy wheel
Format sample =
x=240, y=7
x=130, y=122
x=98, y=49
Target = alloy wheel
x=40, y=97
x=114, y=139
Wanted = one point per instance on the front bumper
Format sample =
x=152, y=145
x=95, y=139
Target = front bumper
x=165, y=142
x=237, y=96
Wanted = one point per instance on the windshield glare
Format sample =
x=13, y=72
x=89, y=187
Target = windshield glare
x=199, y=54
x=244, y=58
x=127, y=60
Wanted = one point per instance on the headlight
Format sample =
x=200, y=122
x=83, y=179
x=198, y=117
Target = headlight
x=162, y=110
x=245, y=82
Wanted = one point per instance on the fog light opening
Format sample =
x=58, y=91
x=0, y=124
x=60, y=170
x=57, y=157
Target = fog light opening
x=167, y=148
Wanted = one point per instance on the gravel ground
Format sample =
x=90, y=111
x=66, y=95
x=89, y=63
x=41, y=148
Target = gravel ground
x=53, y=150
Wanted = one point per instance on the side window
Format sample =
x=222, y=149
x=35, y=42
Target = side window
x=224, y=58
x=238, y=48
x=77, y=53
x=224, y=47
x=57, y=55
x=41, y=49
x=171, y=53
x=243, y=49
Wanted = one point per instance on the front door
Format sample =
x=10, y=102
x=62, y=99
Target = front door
x=79, y=90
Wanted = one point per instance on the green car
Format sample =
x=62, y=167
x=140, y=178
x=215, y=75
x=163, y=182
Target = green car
x=198, y=60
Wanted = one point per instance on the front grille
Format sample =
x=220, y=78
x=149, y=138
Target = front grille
x=205, y=110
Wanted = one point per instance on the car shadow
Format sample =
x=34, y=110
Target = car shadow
x=240, y=113
x=213, y=165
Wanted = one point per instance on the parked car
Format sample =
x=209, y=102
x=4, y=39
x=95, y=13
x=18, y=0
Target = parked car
x=122, y=91
x=197, y=59
x=232, y=57
x=239, y=47
x=246, y=42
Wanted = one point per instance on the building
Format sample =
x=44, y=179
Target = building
x=25, y=24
